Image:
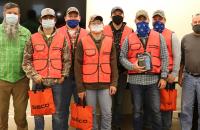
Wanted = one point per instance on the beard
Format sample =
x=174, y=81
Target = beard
x=10, y=30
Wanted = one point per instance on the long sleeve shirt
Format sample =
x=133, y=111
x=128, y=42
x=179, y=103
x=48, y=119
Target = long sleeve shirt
x=28, y=59
x=145, y=79
x=176, y=51
x=79, y=64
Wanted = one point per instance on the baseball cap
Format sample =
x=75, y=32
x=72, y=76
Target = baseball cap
x=160, y=13
x=116, y=8
x=141, y=13
x=95, y=17
x=47, y=11
x=72, y=9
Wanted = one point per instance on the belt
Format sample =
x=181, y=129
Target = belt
x=193, y=74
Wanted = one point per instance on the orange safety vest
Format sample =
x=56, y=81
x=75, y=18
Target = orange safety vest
x=47, y=61
x=153, y=47
x=168, y=38
x=96, y=65
x=63, y=30
x=108, y=32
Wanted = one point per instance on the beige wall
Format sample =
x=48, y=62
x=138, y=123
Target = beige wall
x=178, y=12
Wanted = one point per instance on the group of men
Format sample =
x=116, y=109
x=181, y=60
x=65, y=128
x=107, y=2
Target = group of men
x=96, y=65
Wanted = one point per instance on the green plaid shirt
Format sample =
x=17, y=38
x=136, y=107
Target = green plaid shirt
x=11, y=54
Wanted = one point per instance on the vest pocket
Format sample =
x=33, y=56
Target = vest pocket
x=40, y=64
x=89, y=69
x=156, y=61
x=105, y=68
x=56, y=64
x=135, y=46
x=90, y=52
x=39, y=47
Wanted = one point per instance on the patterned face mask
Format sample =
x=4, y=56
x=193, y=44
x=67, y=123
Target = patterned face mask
x=158, y=26
x=143, y=29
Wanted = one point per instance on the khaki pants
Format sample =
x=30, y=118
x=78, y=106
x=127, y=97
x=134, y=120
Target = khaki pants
x=19, y=91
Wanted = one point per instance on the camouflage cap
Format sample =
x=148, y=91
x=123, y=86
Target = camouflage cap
x=142, y=13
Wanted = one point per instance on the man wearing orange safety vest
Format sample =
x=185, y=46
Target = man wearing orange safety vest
x=73, y=33
x=173, y=46
x=118, y=31
x=47, y=63
x=144, y=54
x=96, y=71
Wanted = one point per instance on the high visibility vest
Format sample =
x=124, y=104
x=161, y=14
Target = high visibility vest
x=168, y=38
x=82, y=33
x=153, y=47
x=108, y=32
x=47, y=61
x=96, y=64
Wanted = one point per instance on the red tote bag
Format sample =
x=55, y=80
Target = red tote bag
x=81, y=116
x=42, y=102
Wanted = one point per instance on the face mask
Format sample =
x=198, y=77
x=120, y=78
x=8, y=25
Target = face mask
x=48, y=23
x=72, y=23
x=117, y=19
x=143, y=29
x=196, y=28
x=11, y=19
x=158, y=26
x=96, y=28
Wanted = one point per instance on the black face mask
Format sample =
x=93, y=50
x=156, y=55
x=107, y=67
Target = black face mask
x=196, y=28
x=117, y=19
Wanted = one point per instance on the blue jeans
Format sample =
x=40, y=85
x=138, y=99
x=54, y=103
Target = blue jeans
x=69, y=89
x=105, y=102
x=58, y=120
x=149, y=94
x=166, y=116
x=191, y=85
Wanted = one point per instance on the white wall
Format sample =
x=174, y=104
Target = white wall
x=178, y=12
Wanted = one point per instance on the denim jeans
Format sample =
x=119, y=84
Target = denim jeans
x=58, y=120
x=118, y=100
x=105, y=103
x=69, y=89
x=191, y=85
x=148, y=95
x=166, y=116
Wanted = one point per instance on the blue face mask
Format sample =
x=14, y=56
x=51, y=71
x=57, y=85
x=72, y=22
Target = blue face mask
x=143, y=29
x=72, y=23
x=158, y=26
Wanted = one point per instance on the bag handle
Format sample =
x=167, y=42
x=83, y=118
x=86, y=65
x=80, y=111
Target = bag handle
x=171, y=86
x=39, y=87
x=82, y=102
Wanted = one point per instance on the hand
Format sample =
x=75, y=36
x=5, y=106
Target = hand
x=138, y=68
x=180, y=80
x=61, y=80
x=170, y=78
x=81, y=95
x=112, y=90
x=162, y=83
x=38, y=79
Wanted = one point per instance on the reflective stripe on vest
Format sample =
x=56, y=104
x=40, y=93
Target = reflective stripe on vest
x=47, y=60
x=168, y=38
x=108, y=32
x=153, y=47
x=96, y=65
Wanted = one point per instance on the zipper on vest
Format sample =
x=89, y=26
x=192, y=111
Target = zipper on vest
x=98, y=67
x=48, y=60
